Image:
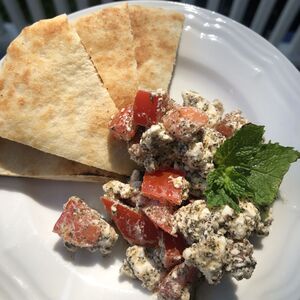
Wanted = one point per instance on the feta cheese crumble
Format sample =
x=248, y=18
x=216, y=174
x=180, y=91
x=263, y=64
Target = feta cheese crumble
x=138, y=265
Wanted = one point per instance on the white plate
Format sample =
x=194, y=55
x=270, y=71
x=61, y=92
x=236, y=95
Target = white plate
x=221, y=59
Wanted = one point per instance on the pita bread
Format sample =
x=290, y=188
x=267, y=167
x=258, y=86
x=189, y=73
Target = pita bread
x=107, y=37
x=156, y=34
x=51, y=98
x=23, y=161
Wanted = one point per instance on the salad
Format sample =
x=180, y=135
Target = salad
x=205, y=183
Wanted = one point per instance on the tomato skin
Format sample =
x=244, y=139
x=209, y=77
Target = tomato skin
x=173, y=248
x=148, y=108
x=184, y=122
x=225, y=130
x=75, y=225
x=177, y=279
x=108, y=203
x=134, y=226
x=158, y=186
x=161, y=215
x=121, y=126
x=194, y=115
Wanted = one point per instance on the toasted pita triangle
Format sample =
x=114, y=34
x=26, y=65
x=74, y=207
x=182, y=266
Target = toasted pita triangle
x=107, y=37
x=156, y=34
x=23, y=161
x=51, y=98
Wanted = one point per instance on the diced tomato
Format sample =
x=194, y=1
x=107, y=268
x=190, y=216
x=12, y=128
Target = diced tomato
x=122, y=126
x=108, y=203
x=173, y=248
x=177, y=279
x=224, y=129
x=159, y=186
x=183, y=122
x=161, y=215
x=77, y=225
x=194, y=115
x=134, y=226
x=148, y=108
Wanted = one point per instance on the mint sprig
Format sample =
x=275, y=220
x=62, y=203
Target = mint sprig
x=247, y=168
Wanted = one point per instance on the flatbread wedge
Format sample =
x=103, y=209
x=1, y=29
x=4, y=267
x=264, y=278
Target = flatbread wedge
x=23, y=161
x=107, y=37
x=156, y=34
x=52, y=99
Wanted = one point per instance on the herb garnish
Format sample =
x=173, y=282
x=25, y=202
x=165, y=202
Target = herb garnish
x=247, y=168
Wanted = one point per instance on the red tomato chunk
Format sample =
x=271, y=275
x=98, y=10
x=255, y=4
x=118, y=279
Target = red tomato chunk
x=173, y=248
x=159, y=186
x=134, y=226
x=161, y=215
x=122, y=126
x=171, y=288
x=184, y=122
x=148, y=108
x=78, y=225
x=224, y=129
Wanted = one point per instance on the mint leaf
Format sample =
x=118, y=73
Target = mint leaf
x=239, y=149
x=246, y=168
x=268, y=168
x=221, y=198
x=232, y=180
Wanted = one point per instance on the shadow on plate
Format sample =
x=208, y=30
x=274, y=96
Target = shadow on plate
x=226, y=290
x=53, y=194
x=85, y=258
x=136, y=285
x=256, y=241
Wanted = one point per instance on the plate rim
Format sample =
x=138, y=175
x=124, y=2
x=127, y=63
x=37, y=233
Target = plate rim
x=194, y=8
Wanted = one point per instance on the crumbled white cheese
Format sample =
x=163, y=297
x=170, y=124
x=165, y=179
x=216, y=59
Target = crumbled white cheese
x=215, y=254
x=126, y=270
x=208, y=256
x=155, y=134
x=245, y=222
x=234, y=120
x=193, y=157
x=194, y=221
x=199, y=155
x=197, y=183
x=239, y=260
x=214, y=110
x=142, y=267
x=154, y=150
x=177, y=181
x=218, y=238
x=227, y=211
x=115, y=189
x=180, y=182
x=212, y=140
x=107, y=238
